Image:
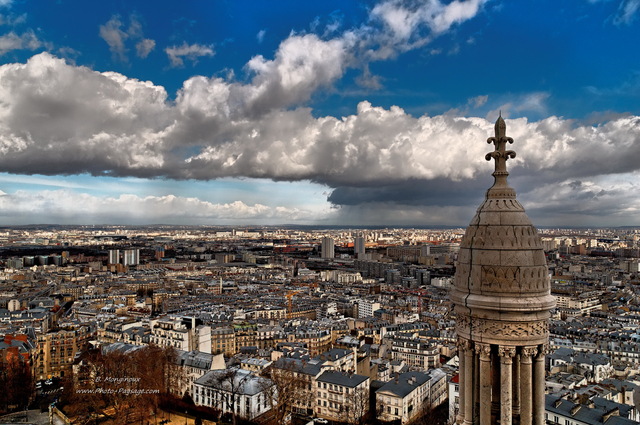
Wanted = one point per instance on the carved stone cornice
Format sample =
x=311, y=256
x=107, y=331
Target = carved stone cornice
x=500, y=328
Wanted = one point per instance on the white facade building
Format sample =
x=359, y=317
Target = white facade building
x=407, y=396
x=234, y=391
x=181, y=335
x=341, y=396
x=366, y=308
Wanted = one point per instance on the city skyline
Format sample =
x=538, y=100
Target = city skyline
x=364, y=113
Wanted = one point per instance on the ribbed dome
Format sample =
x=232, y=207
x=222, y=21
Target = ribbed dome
x=501, y=292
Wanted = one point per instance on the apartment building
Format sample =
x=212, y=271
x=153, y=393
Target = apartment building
x=410, y=394
x=341, y=396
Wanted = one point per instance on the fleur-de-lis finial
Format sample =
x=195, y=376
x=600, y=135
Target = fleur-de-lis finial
x=500, y=155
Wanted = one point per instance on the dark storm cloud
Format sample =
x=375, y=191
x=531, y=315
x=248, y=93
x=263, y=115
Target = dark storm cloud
x=416, y=193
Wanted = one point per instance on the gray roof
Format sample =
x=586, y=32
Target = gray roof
x=591, y=359
x=619, y=384
x=341, y=378
x=335, y=354
x=590, y=416
x=608, y=405
x=305, y=367
x=121, y=347
x=195, y=359
x=405, y=384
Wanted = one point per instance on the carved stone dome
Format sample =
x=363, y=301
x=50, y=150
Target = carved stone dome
x=501, y=293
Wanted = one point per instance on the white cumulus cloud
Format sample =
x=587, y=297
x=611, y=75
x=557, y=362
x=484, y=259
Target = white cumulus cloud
x=115, y=37
x=144, y=47
x=77, y=119
x=409, y=25
x=66, y=206
x=25, y=41
x=191, y=52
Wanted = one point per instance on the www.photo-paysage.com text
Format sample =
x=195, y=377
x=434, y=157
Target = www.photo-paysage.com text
x=128, y=391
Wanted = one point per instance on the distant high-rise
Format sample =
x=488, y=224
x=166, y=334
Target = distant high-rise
x=502, y=300
x=159, y=253
x=328, y=249
x=358, y=245
x=114, y=256
x=131, y=257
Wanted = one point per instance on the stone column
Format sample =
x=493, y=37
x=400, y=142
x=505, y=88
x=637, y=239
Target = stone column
x=515, y=387
x=484, y=353
x=461, y=355
x=538, y=386
x=526, y=385
x=468, y=385
x=506, y=367
x=495, y=385
x=476, y=386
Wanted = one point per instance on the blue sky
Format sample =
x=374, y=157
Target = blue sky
x=334, y=112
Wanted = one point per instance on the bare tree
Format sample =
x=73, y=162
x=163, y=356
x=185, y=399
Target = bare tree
x=15, y=381
x=287, y=388
x=174, y=376
x=355, y=406
x=149, y=365
x=121, y=387
x=231, y=384
x=427, y=415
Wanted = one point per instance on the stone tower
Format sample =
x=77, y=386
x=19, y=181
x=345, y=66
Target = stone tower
x=502, y=300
